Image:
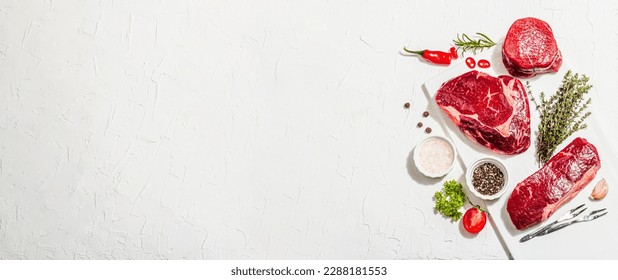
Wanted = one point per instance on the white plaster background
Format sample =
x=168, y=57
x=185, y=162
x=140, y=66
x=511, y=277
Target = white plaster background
x=241, y=129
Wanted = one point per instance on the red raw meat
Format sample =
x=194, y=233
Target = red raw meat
x=530, y=49
x=537, y=197
x=491, y=111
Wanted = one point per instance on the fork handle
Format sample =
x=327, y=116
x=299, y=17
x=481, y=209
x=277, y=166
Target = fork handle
x=537, y=232
x=557, y=227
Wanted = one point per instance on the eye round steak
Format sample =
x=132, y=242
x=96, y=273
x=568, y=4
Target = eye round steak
x=491, y=111
x=530, y=49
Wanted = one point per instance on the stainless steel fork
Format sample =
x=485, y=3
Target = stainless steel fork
x=592, y=216
x=567, y=216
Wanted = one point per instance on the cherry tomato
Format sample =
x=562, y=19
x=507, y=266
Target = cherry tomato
x=474, y=220
x=483, y=63
x=453, y=51
x=470, y=62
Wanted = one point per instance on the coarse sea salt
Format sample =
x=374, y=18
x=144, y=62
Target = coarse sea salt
x=435, y=156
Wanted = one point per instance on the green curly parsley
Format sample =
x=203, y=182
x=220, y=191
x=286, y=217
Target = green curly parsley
x=450, y=199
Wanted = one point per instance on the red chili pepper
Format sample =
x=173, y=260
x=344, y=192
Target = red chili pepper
x=436, y=57
x=454, y=53
x=483, y=63
x=470, y=62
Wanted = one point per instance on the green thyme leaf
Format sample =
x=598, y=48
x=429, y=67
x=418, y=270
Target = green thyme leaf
x=562, y=114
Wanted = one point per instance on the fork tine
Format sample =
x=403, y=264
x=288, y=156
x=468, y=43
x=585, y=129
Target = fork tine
x=599, y=216
x=597, y=211
x=577, y=208
x=579, y=212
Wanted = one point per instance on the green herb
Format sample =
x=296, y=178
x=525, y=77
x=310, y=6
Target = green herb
x=465, y=43
x=562, y=114
x=450, y=199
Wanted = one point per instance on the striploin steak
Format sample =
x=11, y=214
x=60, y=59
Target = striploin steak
x=530, y=49
x=491, y=111
x=537, y=197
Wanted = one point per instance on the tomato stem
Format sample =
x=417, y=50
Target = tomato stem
x=475, y=205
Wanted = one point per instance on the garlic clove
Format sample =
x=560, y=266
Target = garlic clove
x=600, y=190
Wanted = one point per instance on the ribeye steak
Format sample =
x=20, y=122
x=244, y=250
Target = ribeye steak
x=491, y=111
x=563, y=176
x=530, y=48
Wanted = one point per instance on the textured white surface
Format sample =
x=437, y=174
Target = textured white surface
x=241, y=129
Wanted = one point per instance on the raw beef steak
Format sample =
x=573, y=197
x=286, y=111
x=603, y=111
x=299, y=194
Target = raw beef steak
x=563, y=176
x=530, y=48
x=491, y=111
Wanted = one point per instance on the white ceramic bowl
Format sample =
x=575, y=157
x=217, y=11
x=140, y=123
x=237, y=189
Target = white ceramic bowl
x=417, y=157
x=478, y=162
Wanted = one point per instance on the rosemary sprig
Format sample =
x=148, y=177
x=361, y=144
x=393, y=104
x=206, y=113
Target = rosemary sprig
x=465, y=43
x=562, y=114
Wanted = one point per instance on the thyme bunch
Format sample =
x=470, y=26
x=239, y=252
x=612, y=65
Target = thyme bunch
x=465, y=43
x=562, y=114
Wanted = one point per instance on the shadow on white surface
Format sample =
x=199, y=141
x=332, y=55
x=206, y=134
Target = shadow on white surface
x=416, y=175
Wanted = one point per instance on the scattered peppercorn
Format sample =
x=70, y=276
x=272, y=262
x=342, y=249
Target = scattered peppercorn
x=419, y=125
x=487, y=179
x=428, y=130
x=407, y=105
x=425, y=114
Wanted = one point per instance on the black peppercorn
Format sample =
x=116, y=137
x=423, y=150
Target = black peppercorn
x=487, y=179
